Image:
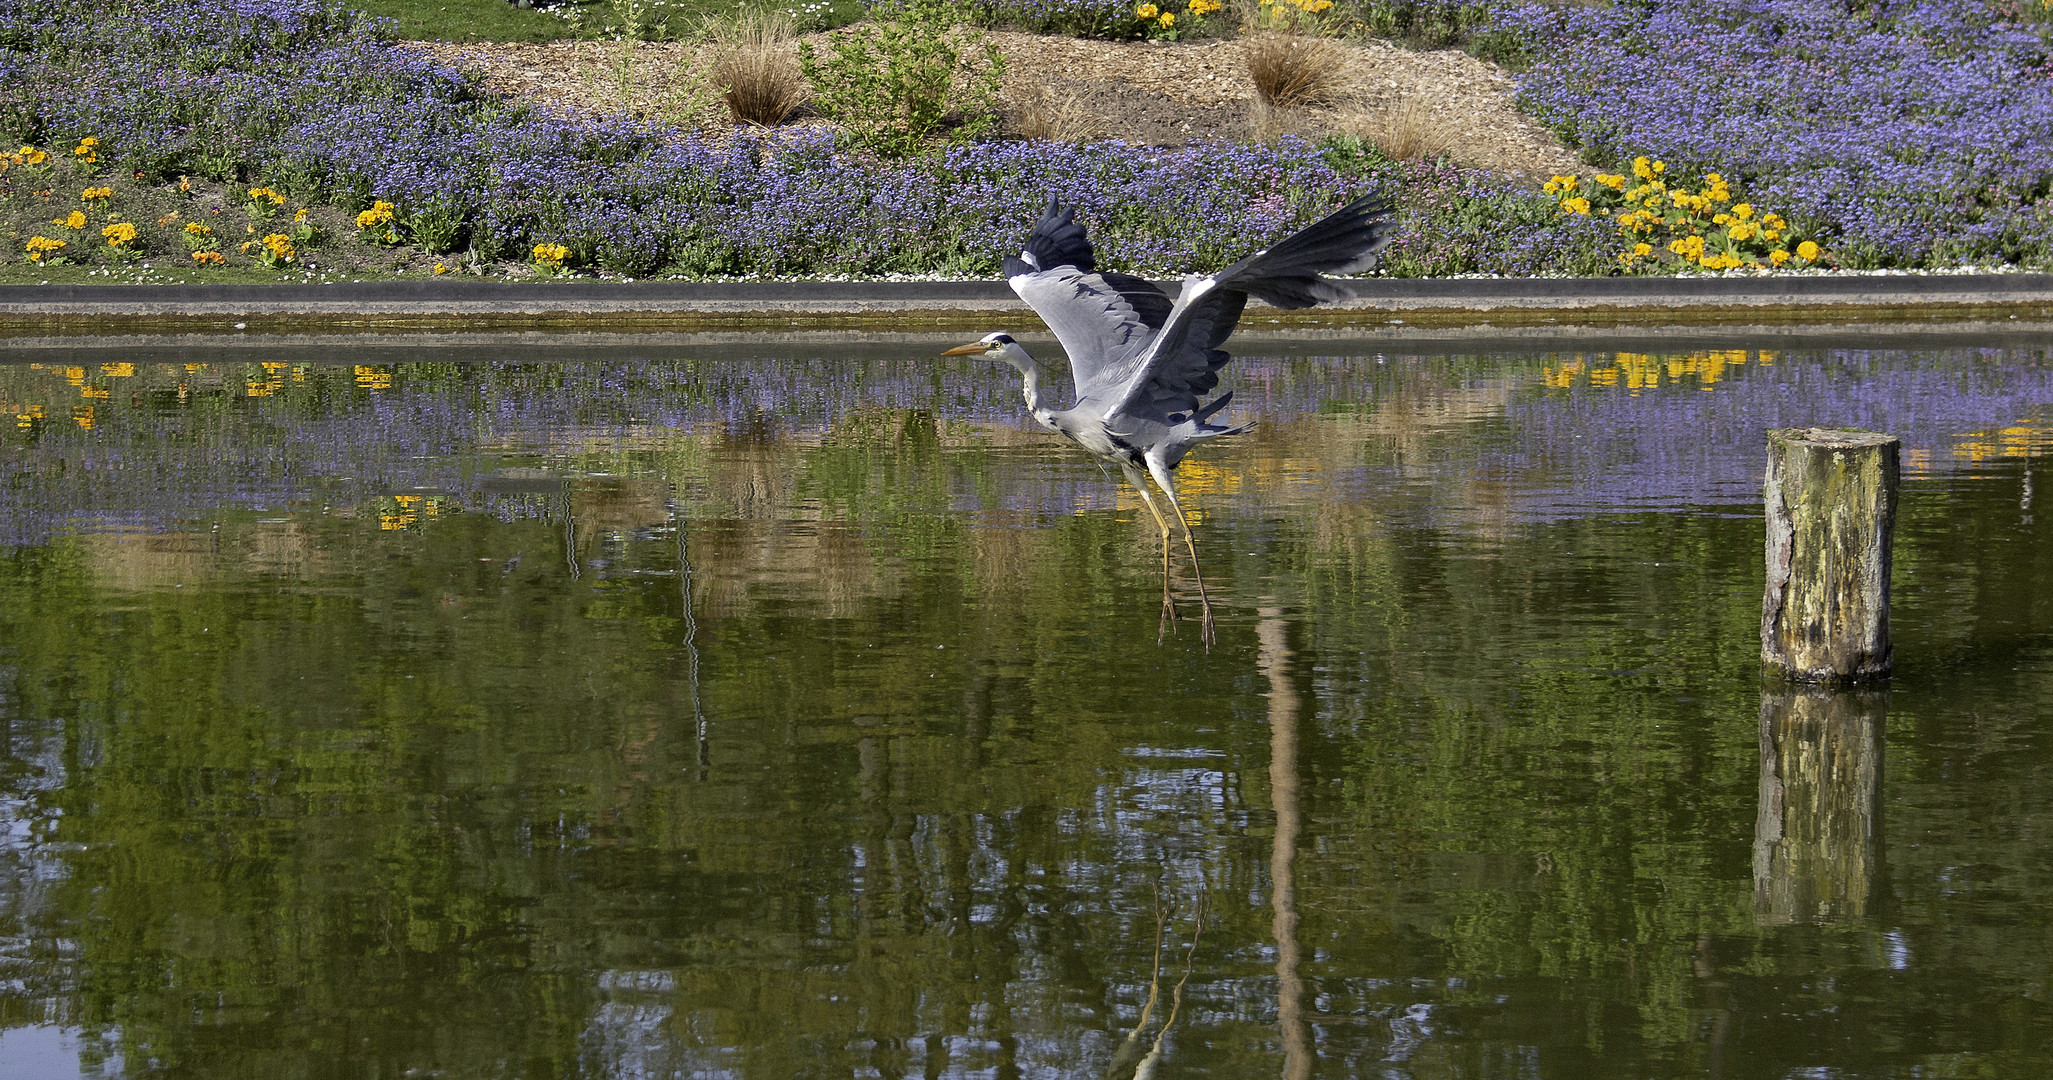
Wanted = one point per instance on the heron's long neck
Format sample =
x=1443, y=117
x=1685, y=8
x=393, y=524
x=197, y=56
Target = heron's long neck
x=1030, y=370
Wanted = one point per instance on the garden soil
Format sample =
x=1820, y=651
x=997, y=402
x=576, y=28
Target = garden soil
x=1153, y=93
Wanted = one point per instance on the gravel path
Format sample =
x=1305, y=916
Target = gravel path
x=1146, y=92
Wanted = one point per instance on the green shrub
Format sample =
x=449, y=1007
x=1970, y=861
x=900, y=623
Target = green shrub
x=902, y=81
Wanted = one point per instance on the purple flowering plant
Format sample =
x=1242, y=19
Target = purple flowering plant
x=1900, y=132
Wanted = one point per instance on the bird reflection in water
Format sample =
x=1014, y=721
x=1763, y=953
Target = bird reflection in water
x=1138, y=1056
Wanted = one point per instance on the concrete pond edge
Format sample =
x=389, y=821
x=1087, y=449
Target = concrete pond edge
x=1458, y=307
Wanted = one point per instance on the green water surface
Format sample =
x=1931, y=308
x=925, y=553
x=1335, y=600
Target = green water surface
x=780, y=710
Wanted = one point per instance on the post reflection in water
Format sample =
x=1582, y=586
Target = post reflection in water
x=1272, y=634
x=763, y=714
x=1816, y=836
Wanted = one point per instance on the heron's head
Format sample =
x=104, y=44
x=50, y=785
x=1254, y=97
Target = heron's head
x=998, y=345
x=988, y=345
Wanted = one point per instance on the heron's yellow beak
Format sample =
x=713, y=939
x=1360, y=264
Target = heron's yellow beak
x=972, y=349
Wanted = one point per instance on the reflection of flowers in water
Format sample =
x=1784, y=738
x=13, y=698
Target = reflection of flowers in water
x=405, y=511
x=272, y=381
x=2026, y=439
x=1557, y=436
x=1195, y=477
x=1635, y=372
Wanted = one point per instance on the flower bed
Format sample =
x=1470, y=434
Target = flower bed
x=300, y=100
x=1907, y=133
x=297, y=96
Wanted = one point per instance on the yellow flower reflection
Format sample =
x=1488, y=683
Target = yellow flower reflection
x=397, y=512
x=1635, y=372
x=2025, y=439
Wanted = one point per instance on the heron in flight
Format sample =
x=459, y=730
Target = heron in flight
x=1142, y=363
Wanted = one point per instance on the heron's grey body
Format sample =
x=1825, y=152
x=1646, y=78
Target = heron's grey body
x=1143, y=363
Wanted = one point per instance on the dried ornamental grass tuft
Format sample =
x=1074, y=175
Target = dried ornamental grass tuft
x=755, y=68
x=1040, y=111
x=1291, y=70
x=1403, y=130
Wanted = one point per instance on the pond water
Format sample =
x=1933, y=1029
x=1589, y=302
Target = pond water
x=788, y=708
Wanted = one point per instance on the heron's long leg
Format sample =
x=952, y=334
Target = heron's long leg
x=1139, y=481
x=1205, y=630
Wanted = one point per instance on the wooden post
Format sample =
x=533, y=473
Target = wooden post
x=1816, y=847
x=1831, y=501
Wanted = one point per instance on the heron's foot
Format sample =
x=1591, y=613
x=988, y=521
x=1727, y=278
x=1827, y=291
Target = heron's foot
x=1207, y=631
x=1168, y=617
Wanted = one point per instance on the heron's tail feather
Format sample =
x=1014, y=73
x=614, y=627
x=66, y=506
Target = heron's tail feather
x=1204, y=413
x=1289, y=273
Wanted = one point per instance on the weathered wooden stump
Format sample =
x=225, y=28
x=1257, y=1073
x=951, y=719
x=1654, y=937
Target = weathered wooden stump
x=1831, y=501
x=1816, y=847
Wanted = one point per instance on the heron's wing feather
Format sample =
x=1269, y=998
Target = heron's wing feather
x=1105, y=322
x=1057, y=240
x=1186, y=357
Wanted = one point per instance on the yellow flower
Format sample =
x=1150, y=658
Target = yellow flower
x=300, y=214
x=1743, y=232
x=39, y=246
x=1743, y=211
x=74, y=220
x=1167, y=20
x=441, y=269
x=195, y=228
x=1577, y=205
x=1691, y=248
x=1642, y=250
x=208, y=258
x=1808, y=251
x=95, y=194
x=1778, y=256
x=379, y=213
x=1145, y=11
x=551, y=255
x=258, y=194
x=1613, y=181
x=1774, y=221
x=119, y=234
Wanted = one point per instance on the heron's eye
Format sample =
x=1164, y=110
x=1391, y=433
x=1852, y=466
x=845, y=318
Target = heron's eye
x=1001, y=339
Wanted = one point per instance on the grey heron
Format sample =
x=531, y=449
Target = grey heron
x=1142, y=363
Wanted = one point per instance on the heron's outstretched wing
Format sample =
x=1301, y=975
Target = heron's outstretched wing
x=1185, y=359
x=1105, y=322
